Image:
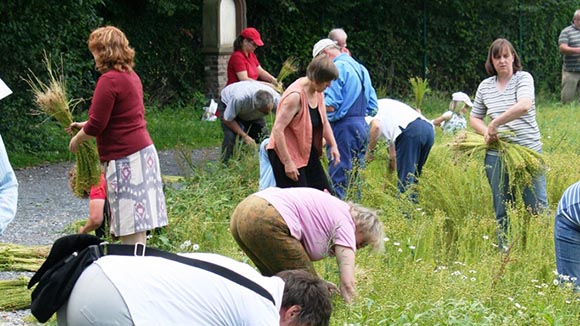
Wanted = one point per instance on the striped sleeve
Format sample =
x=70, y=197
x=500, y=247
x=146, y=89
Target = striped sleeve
x=525, y=87
x=569, y=204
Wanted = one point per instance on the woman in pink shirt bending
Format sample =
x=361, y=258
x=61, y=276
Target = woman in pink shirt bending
x=288, y=228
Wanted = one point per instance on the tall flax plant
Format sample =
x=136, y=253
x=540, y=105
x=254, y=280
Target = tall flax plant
x=288, y=68
x=200, y=208
x=52, y=99
x=420, y=88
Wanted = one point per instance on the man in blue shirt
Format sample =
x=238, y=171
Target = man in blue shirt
x=348, y=100
x=8, y=189
x=8, y=183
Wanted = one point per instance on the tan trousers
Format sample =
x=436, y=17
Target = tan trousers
x=263, y=235
x=570, y=86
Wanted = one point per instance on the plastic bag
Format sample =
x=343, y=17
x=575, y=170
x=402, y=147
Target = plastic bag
x=209, y=111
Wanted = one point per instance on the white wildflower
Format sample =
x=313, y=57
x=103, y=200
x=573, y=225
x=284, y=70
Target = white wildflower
x=195, y=247
x=185, y=244
x=396, y=243
x=565, y=277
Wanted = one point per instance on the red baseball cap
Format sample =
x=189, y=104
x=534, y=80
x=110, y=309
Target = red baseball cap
x=253, y=35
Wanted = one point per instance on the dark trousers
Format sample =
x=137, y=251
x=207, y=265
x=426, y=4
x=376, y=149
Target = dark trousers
x=312, y=175
x=413, y=146
x=255, y=128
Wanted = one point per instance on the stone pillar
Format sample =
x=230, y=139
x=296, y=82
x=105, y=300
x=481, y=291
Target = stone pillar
x=223, y=20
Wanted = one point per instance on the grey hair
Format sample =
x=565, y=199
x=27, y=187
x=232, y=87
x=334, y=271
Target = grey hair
x=576, y=14
x=366, y=221
x=262, y=99
x=335, y=33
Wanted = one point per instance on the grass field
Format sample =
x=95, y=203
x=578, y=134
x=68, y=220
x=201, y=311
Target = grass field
x=441, y=266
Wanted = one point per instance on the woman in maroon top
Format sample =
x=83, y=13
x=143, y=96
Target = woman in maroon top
x=243, y=64
x=117, y=121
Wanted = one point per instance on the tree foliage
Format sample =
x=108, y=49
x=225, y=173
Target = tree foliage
x=443, y=41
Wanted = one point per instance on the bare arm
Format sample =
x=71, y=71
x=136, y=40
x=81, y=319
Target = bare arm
x=512, y=113
x=440, y=119
x=489, y=132
x=345, y=261
x=478, y=125
x=242, y=75
x=331, y=142
x=568, y=50
x=74, y=126
x=392, y=157
x=96, y=207
x=265, y=76
x=235, y=127
x=76, y=141
x=375, y=133
x=284, y=116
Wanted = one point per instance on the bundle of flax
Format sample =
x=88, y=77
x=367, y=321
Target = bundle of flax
x=15, y=294
x=52, y=100
x=288, y=68
x=521, y=164
x=22, y=258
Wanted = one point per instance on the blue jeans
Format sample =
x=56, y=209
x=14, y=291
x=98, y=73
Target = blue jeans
x=412, y=147
x=567, y=244
x=535, y=197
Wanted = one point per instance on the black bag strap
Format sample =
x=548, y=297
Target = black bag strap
x=132, y=250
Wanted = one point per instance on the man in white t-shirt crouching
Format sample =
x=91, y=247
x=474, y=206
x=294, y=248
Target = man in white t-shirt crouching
x=148, y=290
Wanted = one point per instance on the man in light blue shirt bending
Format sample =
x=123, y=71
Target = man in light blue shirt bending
x=8, y=189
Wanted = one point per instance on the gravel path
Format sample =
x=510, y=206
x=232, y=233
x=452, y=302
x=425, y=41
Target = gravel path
x=46, y=207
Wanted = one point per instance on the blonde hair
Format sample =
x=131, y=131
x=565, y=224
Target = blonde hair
x=368, y=223
x=453, y=106
x=111, y=49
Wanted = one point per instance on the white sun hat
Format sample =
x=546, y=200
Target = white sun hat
x=323, y=44
x=462, y=97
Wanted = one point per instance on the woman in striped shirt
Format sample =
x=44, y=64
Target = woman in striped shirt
x=507, y=97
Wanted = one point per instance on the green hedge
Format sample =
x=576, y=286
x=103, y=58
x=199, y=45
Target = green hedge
x=446, y=40
x=388, y=37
